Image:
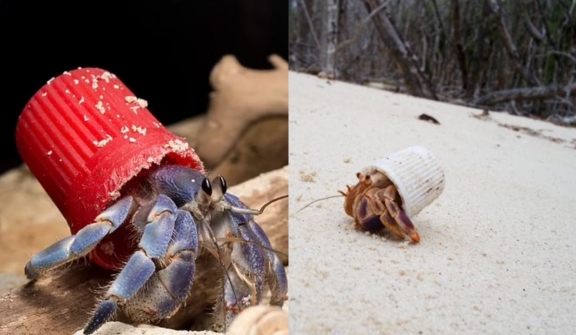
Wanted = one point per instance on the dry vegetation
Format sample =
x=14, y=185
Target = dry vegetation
x=517, y=55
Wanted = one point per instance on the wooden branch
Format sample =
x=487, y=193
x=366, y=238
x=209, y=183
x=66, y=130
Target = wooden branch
x=310, y=24
x=510, y=46
x=528, y=93
x=62, y=300
x=417, y=82
x=360, y=28
x=564, y=54
x=530, y=27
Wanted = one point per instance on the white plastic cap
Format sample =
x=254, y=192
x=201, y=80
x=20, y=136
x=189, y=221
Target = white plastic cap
x=417, y=175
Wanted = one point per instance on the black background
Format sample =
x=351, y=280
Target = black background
x=162, y=50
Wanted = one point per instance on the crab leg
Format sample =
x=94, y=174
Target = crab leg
x=140, y=267
x=258, y=242
x=79, y=245
x=236, y=296
x=169, y=288
x=179, y=274
x=276, y=272
x=366, y=209
x=391, y=225
x=399, y=215
x=245, y=279
x=250, y=259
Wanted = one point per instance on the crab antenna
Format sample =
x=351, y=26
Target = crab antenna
x=271, y=202
x=251, y=211
x=241, y=240
x=321, y=199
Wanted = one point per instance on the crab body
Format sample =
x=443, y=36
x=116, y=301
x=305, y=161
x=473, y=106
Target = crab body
x=375, y=205
x=168, y=218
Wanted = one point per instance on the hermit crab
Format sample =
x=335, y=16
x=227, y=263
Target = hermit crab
x=393, y=190
x=138, y=202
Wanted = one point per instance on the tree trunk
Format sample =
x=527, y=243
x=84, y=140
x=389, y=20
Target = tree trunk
x=510, y=46
x=417, y=83
x=479, y=59
x=328, y=39
x=459, y=42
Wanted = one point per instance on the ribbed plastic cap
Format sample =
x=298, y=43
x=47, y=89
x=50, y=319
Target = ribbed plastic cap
x=85, y=134
x=417, y=175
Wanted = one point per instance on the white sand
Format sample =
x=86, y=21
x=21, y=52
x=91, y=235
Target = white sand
x=497, y=252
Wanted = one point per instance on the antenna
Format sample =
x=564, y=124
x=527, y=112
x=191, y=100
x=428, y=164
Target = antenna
x=317, y=200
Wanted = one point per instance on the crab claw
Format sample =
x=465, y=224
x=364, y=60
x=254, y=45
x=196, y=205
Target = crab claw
x=402, y=221
x=407, y=227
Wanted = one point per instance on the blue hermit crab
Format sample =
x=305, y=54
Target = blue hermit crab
x=138, y=202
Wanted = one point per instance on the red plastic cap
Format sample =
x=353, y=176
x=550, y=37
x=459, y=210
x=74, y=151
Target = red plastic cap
x=85, y=134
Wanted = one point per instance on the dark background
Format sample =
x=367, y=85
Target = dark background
x=162, y=50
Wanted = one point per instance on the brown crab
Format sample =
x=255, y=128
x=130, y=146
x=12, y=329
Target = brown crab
x=375, y=204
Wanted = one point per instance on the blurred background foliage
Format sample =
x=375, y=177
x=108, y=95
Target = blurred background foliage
x=513, y=55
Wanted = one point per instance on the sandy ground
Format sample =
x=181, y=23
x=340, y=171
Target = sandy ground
x=497, y=252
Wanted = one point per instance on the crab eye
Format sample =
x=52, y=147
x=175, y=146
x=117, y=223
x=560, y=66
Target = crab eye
x=206, y=186
x=223, y=184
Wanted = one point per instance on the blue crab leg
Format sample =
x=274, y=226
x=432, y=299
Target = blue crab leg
x=277, y=274
x=237, y=294
x=174, y=283
x=244, y=279
x=252, y=232
x=76, y=246
x=250, y=258
x=140, y=267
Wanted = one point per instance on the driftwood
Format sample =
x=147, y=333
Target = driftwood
x=262, y=147
x=62, y=300
x=241, y=97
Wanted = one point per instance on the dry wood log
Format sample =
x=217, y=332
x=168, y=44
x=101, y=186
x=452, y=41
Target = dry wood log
x=62, y=300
